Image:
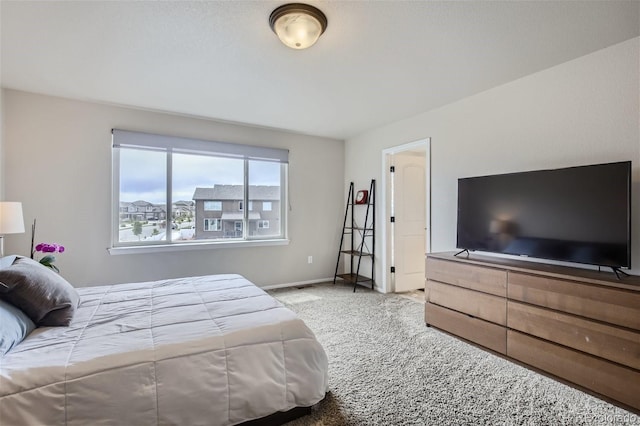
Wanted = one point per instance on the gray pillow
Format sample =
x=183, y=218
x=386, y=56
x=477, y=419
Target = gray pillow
x=46, y=297
x=15, y=325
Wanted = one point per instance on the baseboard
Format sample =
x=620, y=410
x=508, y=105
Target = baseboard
x=296, y=284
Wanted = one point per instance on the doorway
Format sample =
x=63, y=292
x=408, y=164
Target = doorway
x=406, y=212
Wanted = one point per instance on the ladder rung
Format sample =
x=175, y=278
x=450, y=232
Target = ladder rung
x=352, y=278
x=356, y=253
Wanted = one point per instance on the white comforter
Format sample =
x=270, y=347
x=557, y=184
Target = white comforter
x=213, y=350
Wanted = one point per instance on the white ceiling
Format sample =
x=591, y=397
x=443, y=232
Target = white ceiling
x=378, y=61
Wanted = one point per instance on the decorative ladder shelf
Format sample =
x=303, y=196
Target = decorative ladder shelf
x=362, y=240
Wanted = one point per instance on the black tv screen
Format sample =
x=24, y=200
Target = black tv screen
x=576, y=214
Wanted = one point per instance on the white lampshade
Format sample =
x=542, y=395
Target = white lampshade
x=298, y=25
x=11, y=221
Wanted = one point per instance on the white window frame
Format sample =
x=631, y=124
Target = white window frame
x=169, y=145
x=263, y=224
x=210, y=203
x=265, y=204
x=216, y=227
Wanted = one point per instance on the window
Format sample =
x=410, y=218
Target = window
x=193, y=187
x=137, y=186
x=263, y=187
x=212, y=206
x=212, y=225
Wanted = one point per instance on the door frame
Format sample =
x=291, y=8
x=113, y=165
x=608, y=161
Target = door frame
x=422, y=144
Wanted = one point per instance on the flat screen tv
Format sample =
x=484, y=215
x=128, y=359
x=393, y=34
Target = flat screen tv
x=576, y=214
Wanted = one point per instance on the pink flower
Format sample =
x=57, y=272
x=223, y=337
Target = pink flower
x=50, y=248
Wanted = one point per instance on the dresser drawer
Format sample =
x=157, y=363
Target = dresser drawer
x=488, y=280
x=480, y=305
x=615, y=306
x=609, y=379
x=484, y=333
x=602, y=340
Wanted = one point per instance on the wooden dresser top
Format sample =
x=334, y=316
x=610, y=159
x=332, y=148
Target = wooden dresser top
x=590, y=276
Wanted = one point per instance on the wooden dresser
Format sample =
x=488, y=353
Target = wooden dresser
x=579, y=325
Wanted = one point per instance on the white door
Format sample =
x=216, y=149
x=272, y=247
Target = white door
x=409, y=227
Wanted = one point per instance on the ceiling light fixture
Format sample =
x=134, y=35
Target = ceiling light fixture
x=298, y=25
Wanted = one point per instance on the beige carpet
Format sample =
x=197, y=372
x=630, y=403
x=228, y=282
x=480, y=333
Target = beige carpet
x=387, y=368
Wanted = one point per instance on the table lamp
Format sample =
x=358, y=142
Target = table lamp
x=11, y=221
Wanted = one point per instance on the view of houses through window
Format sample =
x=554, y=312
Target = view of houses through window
x=192, y=219
x=207, y=197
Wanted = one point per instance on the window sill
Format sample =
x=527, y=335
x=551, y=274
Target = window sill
x=160, y=248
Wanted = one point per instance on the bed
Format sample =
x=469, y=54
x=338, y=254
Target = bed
x=202, y=350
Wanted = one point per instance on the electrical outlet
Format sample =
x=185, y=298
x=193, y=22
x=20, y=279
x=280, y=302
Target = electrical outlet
x=310, y=259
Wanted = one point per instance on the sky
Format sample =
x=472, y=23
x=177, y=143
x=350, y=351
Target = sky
x=143, y=174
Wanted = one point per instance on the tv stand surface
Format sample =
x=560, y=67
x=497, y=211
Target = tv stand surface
x=579, y=325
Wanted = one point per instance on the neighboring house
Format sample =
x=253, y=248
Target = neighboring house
x=140, y=210
x=143, y=210
x=220, y=211
x=158, y=212
x=183, y=209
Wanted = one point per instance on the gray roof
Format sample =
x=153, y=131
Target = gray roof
x=234, y=192
x=142, y=203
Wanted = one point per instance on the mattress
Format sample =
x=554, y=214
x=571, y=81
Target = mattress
x=202, y=350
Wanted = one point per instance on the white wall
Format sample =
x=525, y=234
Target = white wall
x=2, y=146
x=57, y=156
x=581, y=112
